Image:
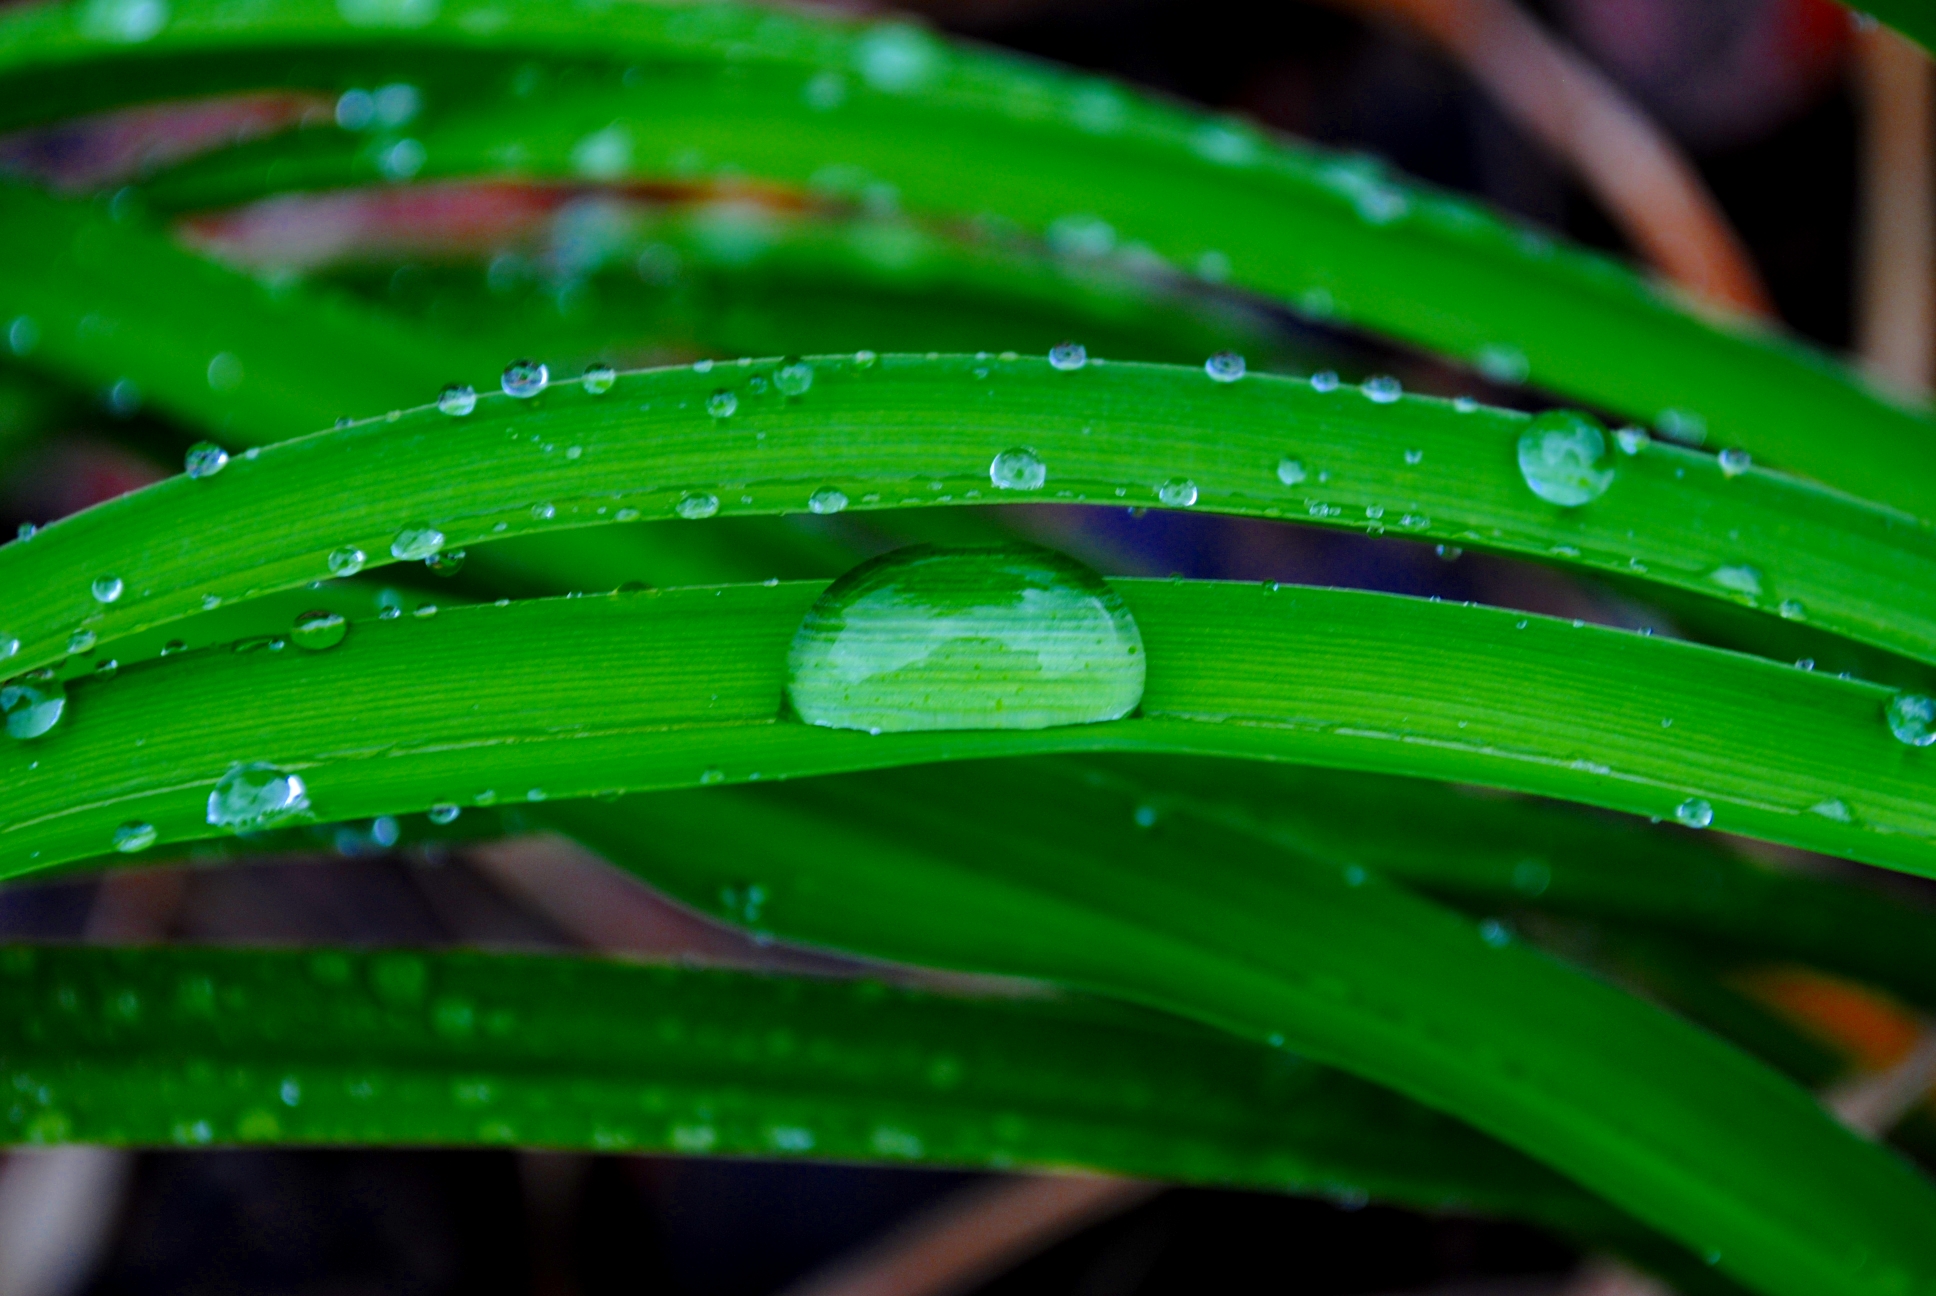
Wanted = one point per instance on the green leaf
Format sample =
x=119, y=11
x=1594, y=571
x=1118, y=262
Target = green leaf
x=572, y=697
x=1009, y=868
x=198, y=1046
x=907, y=431
x=959, y=133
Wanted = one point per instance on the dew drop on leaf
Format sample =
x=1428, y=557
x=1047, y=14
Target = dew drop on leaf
x=1695, y=812
x=347, y=561
x=445, y=812
x=1004, y=637
x=1290, y=471
x=524, y=378
x=1224, y=367
x=1912, y=719
x=205, y=459
x=256, y=796
x=794, y=378
x=1382, y=390
x=826, y=500
x=81, y=641
x=1324, y=380
x=32, y=704
x=106, y=589
x=9, y=645
x=134, y=836
x=697, y=505
x=445, y=562
x=722, y=404
x=1631, y=440
x=1068, y=356
x=1178, y=492
x=1563, y=458
x=599, y=379
x=415, y=543
x=457, y=400
x=1734, y=461
x=1019, y=468
x=319, y=630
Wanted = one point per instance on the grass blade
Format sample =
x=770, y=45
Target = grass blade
x=998, y=868
x=910, y=431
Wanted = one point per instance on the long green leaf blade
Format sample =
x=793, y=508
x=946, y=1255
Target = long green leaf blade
x=906, y=431
x=1011, y=869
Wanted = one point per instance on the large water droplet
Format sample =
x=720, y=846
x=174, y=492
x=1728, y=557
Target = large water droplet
x=599, y=379
x=1563, y=457
x=347, y=561
x=1224, y=367
x=1912, y=719
x=828, y=499
x=106, y=589
x=32, y=704
x=415, y=543
x=457, y=400
x=1068, y=356
x=256, y=796
x=134, y=836
x=1695, y=812
x=1019, y=468
x=205, y=459
x=794, y=379
x=524, y=378
x=722, y=404
x=319, y=630
x=1005, y=637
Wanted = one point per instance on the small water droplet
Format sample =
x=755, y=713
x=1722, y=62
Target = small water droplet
x=9, y=646
x=134, y=836
x=599, y=379
x=1007, y=637
x=711, y=774
x=1494, y=933
x=106, y=589
x=1734, y=461
x=1450, y=552
x=1912, y=719
x=1792, y=610
x=347, y=561
x=1324, y=380
x=319, y=630
x=256, y=796
x=1018, y=468
x=525, y=378
x=864, y=359
x=722, y=404
x=1834, y=808
x=1739, y=577
x=1178, y=492
x=1382, y=390
x=1068, y=356
x=445, y=812
x=205, y=459
x=1694, y=812
x=1562, y=457
x=32, y=704
x=415, y=543
x=457, y=400
x=23, y=334
x=1224, y=367
x=1414, y=457
x=794, y=378
x=446, y=562
x=827, y=499
x=81, y=641
x=1805, y=663
x=697, y=505
x=1290, y=471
